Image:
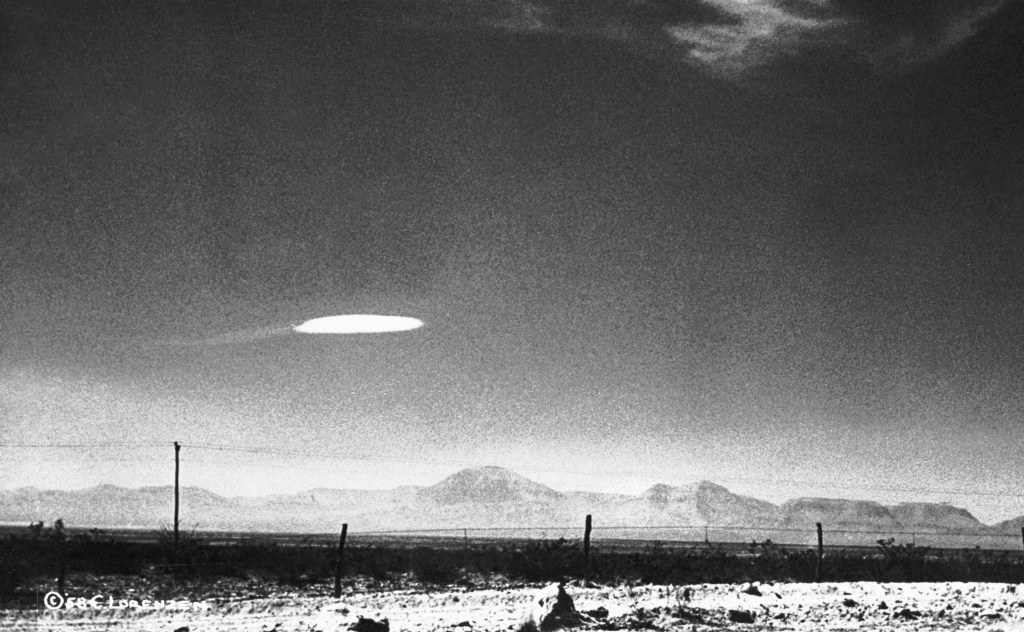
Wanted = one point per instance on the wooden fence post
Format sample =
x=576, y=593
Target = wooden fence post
x=177, y=449
x=821, y=552
x=586, y=552
x=339, y=560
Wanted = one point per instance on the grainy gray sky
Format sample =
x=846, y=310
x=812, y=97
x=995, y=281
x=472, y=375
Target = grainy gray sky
x=756, y=241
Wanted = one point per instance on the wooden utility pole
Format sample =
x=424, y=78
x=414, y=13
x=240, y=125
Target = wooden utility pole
x=338, y=562
x=821, y=552
x=177, y=449
x=586, y=551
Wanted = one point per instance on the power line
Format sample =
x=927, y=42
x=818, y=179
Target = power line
x=86, y=445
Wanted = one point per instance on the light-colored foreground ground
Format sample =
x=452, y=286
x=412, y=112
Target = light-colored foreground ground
x=838, y=606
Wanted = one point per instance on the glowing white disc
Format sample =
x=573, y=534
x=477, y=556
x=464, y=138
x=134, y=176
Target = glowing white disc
x=357, y=324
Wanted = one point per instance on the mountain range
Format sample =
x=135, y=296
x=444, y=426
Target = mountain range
x=491, y=498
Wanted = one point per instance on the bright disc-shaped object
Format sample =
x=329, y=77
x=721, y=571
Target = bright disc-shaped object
x=357, y=324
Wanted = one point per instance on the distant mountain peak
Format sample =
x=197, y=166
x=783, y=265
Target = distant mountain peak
x=488, y=484
x=705, y=503
x=708, y=486
x=661, y=493
x=106, y=487
x=935, y=516
x=480, y=497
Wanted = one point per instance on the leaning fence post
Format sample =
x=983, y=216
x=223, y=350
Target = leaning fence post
x=586, y=552
x=339, y=560
x=821, y=552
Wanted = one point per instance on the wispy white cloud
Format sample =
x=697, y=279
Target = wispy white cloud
x=912, y=48
x=344, y=324
x=891, y=41
x=522, y=16
x=736, y=38
x=238, y=336
x=761, y=32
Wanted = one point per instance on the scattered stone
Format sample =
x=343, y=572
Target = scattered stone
x=849, y=603
x=882, y=605
x=907, y=614
x=990, y=614
x=598, y=613
x=741, y=616
x=369, y=625
x=183, y=628
x=553, y=609
x=696, y=615
x=639, y=624
x=750, y=589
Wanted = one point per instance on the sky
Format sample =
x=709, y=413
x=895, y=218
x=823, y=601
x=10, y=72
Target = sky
x=773, y=244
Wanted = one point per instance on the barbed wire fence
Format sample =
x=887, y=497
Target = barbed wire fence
x=588, y=535
x=450, y=555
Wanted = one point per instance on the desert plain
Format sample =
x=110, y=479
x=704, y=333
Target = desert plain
x=237, y=605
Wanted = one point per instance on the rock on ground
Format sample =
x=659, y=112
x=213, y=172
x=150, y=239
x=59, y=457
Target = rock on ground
x=553, y=609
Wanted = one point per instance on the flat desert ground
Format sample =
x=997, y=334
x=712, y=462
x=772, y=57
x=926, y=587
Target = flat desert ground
x=779, y=606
